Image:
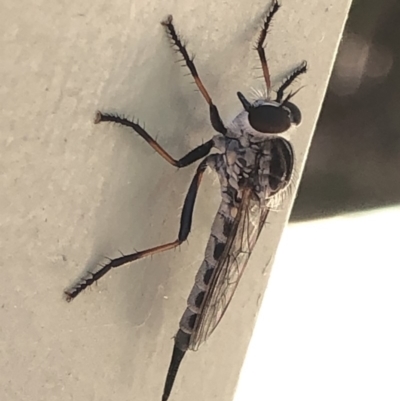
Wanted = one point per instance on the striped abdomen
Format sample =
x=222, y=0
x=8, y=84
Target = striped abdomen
x=219, y=234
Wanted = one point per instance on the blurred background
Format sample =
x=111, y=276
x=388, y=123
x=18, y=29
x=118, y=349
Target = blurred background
x=354, y=160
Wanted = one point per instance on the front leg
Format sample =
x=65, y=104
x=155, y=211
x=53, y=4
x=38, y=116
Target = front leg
x=260, y=43
x=301, y=69
x=216, y=121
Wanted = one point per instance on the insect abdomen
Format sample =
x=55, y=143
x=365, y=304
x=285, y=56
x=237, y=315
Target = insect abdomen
x=214, y=250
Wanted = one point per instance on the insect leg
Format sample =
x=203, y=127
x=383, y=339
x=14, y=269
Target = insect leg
x=260, y=43
x=216, y=121
x=194, y=155
x=301, y=69
x=185, y=226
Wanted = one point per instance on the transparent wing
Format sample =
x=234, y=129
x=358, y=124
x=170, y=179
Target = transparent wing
x=244, y=234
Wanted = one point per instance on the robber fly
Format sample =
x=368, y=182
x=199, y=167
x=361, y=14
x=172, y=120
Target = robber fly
x=254, y=165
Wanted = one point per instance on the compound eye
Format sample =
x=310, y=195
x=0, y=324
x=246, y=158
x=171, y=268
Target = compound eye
x=294, y=112
x=269, y=119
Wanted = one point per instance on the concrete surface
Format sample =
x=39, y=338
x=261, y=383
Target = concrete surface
x=73, y=192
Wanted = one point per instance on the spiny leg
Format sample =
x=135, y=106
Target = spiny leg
x=260, y=43
x=216, y=121
x=301, y=69
x=185, y=226
x=194, y=155
x=91, y=278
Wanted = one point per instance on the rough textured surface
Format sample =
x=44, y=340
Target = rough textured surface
x=73, y=192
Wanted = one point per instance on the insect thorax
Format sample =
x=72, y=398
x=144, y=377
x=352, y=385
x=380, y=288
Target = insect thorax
x=252, y=159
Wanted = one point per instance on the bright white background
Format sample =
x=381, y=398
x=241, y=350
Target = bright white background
x=328, y=327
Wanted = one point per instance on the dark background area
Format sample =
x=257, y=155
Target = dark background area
x=354, y=160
